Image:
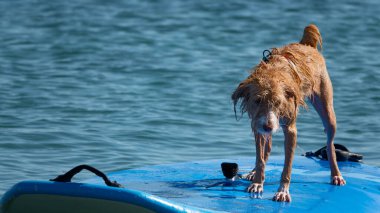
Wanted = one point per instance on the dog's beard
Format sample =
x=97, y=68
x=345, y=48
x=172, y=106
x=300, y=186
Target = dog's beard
x=270, y=119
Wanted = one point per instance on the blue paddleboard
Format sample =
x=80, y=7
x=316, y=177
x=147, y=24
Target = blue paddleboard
x=201, y=187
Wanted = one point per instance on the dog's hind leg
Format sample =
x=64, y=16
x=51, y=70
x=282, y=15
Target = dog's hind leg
x=323, y=104
x=290, y=133
x=257, y=185
x=268, y=147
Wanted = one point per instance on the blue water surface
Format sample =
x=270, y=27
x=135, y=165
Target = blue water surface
x=121, y=84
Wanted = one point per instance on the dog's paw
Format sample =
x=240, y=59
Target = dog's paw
x=338, y=181
x=257, y=189
x=282, y=196
x=250, y=176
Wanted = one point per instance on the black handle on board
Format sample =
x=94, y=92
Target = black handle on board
x=70, y=174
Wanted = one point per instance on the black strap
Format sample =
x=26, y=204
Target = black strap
x=70, y=174
x=342, y=154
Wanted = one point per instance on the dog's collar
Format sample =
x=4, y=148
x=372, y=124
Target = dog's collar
x=266, y=55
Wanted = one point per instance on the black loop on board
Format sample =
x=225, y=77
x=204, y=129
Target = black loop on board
x=70, y=174
x=341, y=152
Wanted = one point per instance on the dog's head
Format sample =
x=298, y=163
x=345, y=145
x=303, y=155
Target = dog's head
x=270, y=96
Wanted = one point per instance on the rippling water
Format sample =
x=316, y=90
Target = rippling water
x=121, y=84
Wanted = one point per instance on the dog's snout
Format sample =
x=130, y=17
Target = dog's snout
x=268, y=127
x=267, y=124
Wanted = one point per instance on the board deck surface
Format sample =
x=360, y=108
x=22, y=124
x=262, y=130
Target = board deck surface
x=201, y=187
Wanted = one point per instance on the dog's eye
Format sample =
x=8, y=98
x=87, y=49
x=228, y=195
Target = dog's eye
x=258, y=101
x=288, y=95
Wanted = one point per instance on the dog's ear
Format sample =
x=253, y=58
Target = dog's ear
x=297, y=99
x=291, y=95
x=242, y=93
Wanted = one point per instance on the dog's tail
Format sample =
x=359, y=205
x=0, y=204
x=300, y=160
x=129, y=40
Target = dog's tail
x=312, y=37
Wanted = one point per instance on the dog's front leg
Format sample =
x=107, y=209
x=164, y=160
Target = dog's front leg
x=282, y=193
x=257, y=185
x=268, y=147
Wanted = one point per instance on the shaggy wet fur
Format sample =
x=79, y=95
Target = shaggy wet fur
x=272, y=95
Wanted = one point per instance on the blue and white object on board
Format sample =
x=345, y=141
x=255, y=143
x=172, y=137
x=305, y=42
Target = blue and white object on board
x=201, y=187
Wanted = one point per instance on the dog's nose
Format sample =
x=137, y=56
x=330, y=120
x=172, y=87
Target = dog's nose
x=267, y=128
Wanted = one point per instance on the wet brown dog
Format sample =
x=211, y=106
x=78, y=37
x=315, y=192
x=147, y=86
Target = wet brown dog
x=271, y=96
